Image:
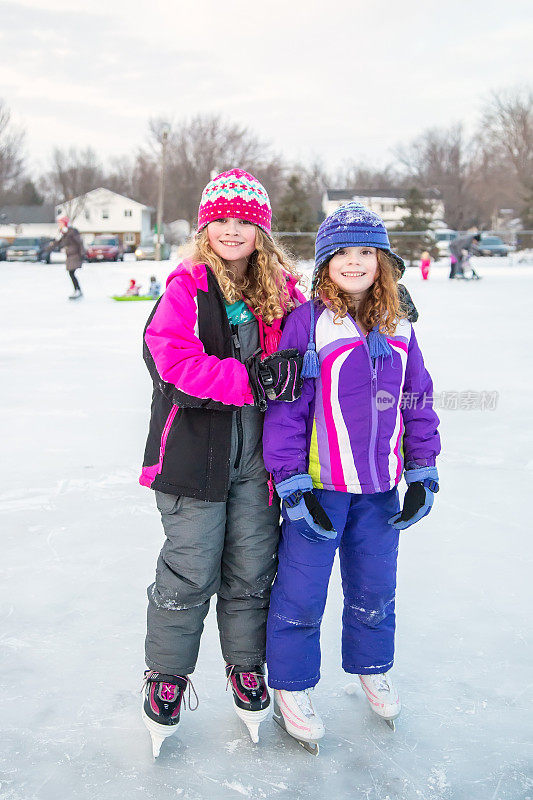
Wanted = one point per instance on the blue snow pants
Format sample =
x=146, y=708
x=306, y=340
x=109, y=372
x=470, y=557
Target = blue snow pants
x=368, y=550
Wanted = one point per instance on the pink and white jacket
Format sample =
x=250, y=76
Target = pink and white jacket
x=197, y=384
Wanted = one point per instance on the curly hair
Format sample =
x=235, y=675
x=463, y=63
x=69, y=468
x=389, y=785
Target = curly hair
x=380, y=306
x=264, y=287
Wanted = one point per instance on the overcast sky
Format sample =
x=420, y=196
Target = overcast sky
x=336, y=79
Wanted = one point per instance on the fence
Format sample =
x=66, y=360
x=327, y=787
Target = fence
x=301, y=243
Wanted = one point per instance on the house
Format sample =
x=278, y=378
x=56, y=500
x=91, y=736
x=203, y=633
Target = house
x=385, y=203
x=27, y=221
x=102, y=211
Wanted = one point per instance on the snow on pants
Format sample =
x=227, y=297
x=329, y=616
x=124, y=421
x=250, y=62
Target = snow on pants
x=227, y=549
x=368, y=549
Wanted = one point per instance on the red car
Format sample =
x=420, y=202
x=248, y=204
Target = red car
x=105, y=248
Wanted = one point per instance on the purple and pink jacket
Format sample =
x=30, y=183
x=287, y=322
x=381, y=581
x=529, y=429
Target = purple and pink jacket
x=349, y=430
x=198, y=384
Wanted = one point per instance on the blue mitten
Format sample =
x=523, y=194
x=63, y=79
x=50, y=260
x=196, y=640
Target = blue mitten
x=302, y=509
x=422, y=485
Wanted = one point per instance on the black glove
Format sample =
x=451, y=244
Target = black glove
x=422, y=486
x=277, y=377
x=303, y=510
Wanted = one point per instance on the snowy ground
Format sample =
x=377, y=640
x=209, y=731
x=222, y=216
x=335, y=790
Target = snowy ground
x=80, y=539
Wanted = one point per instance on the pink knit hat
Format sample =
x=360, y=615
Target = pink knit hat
x=235, y=194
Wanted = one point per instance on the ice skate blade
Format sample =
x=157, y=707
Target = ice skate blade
x=157, y=741
x=253, y=730
x=311, y=747
x=390, y=723
x=252, y=720
x=158, y=733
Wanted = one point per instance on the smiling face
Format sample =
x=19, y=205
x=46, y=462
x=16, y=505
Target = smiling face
x=354, y=269
x=232, y=240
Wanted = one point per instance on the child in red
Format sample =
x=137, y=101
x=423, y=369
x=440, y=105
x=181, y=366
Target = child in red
x=133, y=288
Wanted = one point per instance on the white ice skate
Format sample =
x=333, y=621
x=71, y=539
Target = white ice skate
x=162, y=698
x=251, y=700
x=158, y=733
x=382, y=696
x=294, y=712
x=76, y=296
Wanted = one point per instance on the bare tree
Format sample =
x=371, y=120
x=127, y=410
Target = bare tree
x=315, y=180
x=507, y=132
x=493, y=184
x=204, y=146
x=73, y=173
x=11, y=152
x=120, y=175
x=441, y=158
x=354, y=175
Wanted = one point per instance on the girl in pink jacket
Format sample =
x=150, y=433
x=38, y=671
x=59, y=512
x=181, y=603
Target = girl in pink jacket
x=209, y=346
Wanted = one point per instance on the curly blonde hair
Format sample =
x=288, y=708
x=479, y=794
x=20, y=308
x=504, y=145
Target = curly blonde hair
x=381, y=305
x=264, y=286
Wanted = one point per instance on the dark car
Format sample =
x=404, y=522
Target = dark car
x=146, y=251
x=105, y=248
x=493, y=246
x=29, y=248
x=4, y=244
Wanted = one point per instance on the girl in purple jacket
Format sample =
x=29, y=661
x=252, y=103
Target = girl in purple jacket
x=209, y=346
x=337, y=454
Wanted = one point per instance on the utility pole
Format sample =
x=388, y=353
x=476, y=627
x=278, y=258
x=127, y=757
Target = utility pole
x=164, y=139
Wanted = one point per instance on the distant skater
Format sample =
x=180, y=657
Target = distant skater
x=469, y=242
x=71, y=241
x=425, y=263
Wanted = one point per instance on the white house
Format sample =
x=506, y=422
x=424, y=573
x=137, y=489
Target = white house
x=103, y=211
x=386, y=204
x=27, y=221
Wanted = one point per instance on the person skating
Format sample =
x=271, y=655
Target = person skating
x=209, y=346
x=468, y=243
x=337, y=455
x=70, y=240
x=425, y=264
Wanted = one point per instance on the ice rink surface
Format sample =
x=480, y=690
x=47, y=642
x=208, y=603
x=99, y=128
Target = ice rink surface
x=80, y=539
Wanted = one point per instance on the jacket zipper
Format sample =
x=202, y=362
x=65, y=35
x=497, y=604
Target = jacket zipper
x=238, y=413
x=374, y=427
x=372, y=458
x=164, y=436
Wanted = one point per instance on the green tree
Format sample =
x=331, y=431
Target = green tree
x=294, y=213
x=417, y=218
x=29, y=195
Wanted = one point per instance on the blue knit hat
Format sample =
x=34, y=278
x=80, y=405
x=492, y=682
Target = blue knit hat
x=351, y=225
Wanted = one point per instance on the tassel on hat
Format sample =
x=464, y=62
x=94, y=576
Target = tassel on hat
x=311, y=362
x=378, y=345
